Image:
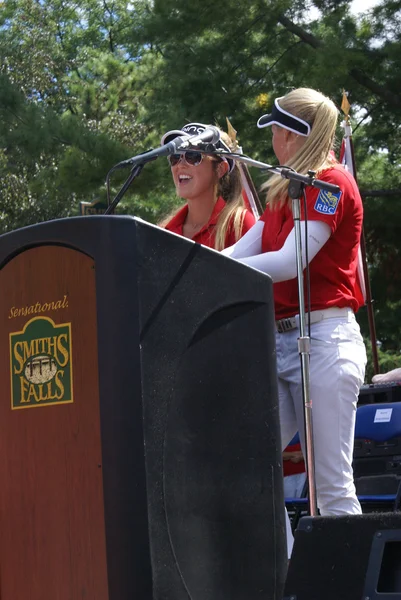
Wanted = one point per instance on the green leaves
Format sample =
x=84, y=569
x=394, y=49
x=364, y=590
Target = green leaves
x=86, y=84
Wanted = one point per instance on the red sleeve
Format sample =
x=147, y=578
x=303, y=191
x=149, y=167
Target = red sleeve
x=328, y=206
x=322, y=205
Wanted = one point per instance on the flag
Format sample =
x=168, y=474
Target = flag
x=346, y=159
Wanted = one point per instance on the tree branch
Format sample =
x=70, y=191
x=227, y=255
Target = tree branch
x=111, y=41
x=357, y=74
x=374, y=87
x=306, y=37
x=273, y=65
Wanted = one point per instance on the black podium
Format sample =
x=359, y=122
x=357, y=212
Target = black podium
x=139, y=438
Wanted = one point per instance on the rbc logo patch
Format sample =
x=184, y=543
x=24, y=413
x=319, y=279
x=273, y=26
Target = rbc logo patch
x=327, y=202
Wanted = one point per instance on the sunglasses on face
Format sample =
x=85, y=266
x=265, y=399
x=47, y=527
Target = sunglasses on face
x=191, y=158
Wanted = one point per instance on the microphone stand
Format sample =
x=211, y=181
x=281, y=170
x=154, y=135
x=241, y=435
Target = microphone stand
x=133, y=174
x=295, y=191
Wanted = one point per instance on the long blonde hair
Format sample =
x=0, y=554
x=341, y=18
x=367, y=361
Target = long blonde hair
x=229, y=187
x=315, y=154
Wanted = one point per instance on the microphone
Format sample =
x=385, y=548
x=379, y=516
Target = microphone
x=211, y=135
x=165, y=150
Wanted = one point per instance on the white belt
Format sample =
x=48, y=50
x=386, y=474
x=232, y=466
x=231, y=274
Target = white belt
x=316, y=316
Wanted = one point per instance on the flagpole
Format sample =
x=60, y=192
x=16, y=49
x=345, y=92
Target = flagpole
x=250, y=190
x=345, y=107
x=247, y=183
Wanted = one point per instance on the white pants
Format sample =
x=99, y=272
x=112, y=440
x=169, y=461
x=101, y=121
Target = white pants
x=337, y=370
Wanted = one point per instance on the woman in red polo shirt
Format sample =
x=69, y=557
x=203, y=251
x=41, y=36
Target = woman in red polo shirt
x=303, y=126
x=214, y=214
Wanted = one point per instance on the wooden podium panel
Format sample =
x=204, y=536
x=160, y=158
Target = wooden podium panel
x=51, y=495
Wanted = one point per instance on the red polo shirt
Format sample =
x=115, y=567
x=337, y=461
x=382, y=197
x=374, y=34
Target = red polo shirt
x=206, y=235
x=333, y=271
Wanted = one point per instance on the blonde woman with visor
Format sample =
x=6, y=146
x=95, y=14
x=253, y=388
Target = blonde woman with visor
x=303, y=124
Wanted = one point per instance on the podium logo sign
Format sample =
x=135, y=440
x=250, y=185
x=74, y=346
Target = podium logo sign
x=41, y=364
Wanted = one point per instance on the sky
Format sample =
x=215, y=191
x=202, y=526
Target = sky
x=358, y=6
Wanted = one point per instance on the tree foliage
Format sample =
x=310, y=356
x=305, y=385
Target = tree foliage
x=86, y=84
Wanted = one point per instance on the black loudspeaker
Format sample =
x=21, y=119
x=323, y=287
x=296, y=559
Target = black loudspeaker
x=374, y=393
x=353, y=557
